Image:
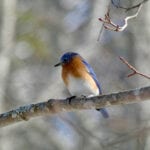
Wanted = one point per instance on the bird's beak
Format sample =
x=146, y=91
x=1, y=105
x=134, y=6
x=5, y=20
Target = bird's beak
x=59, y=64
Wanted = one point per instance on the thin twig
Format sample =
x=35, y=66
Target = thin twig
x=100, y=32
x=102, y=27
x=134, y=70
x=109, y=25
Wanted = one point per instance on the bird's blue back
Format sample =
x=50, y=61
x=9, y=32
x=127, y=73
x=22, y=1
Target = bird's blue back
x=92, y=73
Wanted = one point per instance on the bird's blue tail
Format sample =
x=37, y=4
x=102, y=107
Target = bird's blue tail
x=103, y=112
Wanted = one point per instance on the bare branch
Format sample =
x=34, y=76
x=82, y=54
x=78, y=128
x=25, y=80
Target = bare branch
x=102, y=27
x=134, y=70
x=53, y=106
x=109, y=25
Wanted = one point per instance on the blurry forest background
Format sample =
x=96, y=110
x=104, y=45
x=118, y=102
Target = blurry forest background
x=33, y=36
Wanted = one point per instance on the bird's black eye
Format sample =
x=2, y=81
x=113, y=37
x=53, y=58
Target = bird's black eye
x=65, y=60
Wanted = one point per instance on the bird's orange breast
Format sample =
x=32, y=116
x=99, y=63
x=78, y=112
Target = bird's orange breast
x=74, y=68
x=77, y=69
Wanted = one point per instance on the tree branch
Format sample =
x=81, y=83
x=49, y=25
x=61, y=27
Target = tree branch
x=109, y=25
x=134, y=70
x=53, y=106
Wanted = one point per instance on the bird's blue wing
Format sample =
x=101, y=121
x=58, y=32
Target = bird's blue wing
x=92, y=73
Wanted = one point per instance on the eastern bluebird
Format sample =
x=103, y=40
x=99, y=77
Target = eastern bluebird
x=79, y=77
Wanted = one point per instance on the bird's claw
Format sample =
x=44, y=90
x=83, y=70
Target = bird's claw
x=70, y=98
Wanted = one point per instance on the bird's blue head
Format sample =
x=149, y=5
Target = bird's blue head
x=66, y=58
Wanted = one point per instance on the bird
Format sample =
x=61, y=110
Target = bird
x=79, y=77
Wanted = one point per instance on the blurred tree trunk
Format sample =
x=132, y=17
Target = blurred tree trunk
x=6, y=50
x=7, y=42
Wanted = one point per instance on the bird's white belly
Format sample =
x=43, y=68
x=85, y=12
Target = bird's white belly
x=79, y=87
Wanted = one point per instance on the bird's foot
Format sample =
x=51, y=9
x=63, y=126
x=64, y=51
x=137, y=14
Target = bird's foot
x=70, y=98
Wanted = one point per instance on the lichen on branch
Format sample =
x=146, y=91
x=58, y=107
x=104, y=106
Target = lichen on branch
x=53, y=106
